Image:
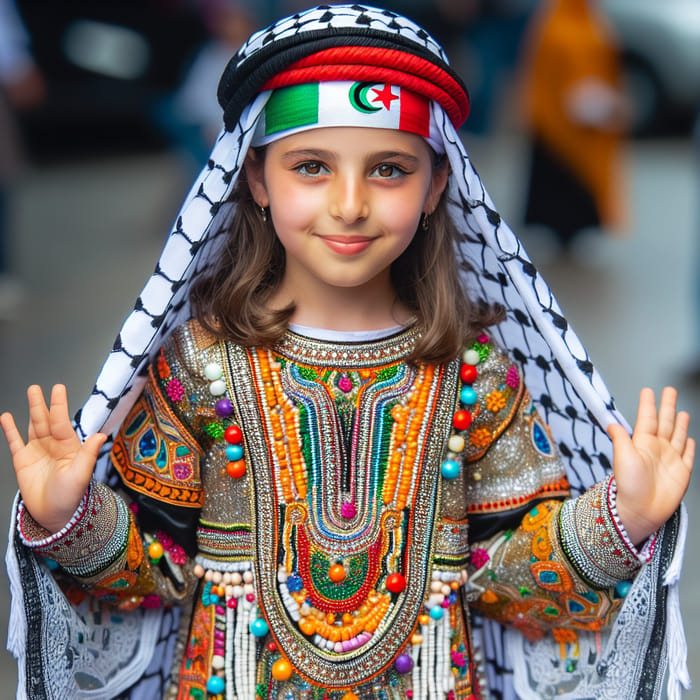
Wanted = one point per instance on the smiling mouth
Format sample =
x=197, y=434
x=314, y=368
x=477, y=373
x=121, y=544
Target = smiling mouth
x=347, y=245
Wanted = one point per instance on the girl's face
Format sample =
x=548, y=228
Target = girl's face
x=345, y=202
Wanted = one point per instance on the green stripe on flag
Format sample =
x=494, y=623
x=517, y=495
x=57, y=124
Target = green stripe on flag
x=289, y=107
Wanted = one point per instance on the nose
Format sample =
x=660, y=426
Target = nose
x=349, y=202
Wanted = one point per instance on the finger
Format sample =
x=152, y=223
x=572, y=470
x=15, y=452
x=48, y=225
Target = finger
x=667, y=413
x=59, y=416
x=87, y=456
x=679, y=436
x=14, y=439
x=620, y=437
x=689, y=453
x=647, y=421
x=38, y=413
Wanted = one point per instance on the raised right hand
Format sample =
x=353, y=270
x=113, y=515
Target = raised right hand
x=53, y=468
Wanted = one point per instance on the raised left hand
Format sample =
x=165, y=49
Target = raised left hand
x=653, y=466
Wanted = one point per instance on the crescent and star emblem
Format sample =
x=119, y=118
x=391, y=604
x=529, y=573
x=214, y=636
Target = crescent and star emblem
x=363, y=102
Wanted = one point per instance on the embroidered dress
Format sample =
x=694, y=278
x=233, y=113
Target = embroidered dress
x=347, y=508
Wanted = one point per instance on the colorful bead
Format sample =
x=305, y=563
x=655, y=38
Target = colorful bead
x=213, y=371
x=234, y=453
x=467, y=396
x=216, y=685
x=403, y=663
x=471, y=357
x=336, y=573
x=462, y=420
x=350, y=696
x=345, y=384
x=622, y=589
x=259, y=628
x=436, y=612
x=456, y=443
x=223, y=408
x=236, y=469
x=468, y=374
x=155, y=551
x=348, y=510
x=217, y=388
x=395, y=583
x=233, y=435
x=282, y=670
x=450, y=469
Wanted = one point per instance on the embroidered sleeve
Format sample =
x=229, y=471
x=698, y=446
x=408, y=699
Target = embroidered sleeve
x=100, y=547
x=136, y=546
x=539, y=560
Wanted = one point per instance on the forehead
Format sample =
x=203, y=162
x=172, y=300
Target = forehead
x=352, y=142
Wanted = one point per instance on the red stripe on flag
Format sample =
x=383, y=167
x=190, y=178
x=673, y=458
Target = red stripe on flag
x=415, y=113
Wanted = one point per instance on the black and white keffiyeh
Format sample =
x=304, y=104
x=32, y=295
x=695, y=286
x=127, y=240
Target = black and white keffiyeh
x=557, y=370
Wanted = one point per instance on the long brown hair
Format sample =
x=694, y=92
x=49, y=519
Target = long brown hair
x=232, y=300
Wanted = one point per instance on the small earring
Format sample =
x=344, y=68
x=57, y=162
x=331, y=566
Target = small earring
x=424, y=222
x=263, y=213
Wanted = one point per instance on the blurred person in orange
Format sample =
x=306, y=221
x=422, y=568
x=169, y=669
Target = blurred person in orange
x=21, y=88
x=576, y=118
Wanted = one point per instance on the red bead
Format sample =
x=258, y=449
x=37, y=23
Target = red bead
x=271, y=646
x=233, y=434
x=395, y=583
x=468, y=373
x=462, y=420
x=236, y=469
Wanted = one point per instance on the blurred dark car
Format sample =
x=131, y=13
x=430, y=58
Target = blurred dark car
x=660, y=42
x=106, y=66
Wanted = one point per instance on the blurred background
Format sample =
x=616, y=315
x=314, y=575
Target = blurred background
x=582, y=128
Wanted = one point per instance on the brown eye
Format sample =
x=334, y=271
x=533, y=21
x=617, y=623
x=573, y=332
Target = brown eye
x=387, y=171
x=311, y=168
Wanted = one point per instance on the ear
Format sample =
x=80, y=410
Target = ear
x=437, y=187
x=254, y=166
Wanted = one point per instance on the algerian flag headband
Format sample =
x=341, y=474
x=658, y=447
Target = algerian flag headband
x=377, y=105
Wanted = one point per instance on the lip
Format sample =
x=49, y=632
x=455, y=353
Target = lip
x=347, y=245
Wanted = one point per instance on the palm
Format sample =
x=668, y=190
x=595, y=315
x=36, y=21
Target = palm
x=653, y=467
x=53, y=468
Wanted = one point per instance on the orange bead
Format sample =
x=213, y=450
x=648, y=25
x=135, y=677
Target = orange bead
x=282, y=670
x=236, y=469
x=155, y=551
x=350, y=696
x=336, y=573
x=307, y=625
x=489, y=597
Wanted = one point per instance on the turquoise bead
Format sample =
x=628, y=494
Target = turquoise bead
x=467, y=396
x=436, y=612
x=259, y=628
x=622, y=589
x=234, y=453
x=450, y=469
x=216, y=685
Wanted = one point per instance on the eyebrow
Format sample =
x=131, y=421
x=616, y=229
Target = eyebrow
x=321, y=154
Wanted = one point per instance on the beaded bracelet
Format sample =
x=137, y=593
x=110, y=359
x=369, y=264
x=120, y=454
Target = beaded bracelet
x=95, y=537
x=643, y=553
x=34, y=536
x=592, y=541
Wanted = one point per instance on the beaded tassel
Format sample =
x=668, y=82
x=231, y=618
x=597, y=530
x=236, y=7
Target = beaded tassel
x=230, y=623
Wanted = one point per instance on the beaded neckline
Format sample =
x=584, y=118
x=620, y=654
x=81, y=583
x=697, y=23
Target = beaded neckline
x=347, y=355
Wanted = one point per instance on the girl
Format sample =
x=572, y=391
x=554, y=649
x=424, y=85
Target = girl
x=325, y=467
